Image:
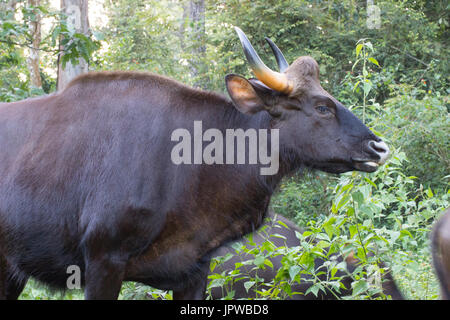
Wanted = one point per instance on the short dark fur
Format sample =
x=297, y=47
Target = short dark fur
x=440, y=249
x=86, y=179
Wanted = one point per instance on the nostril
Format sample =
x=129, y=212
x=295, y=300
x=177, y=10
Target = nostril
x=378, y=148
x=381, y=149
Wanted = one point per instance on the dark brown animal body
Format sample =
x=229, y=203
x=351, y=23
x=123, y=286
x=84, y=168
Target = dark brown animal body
x=268, y=274
x=87, y=179
x=440, y=248
x=87, y=174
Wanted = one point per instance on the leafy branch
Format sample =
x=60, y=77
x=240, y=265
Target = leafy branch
x=363, y=47
x=62, y=40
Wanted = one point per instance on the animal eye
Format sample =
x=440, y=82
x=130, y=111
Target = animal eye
x=323, y=109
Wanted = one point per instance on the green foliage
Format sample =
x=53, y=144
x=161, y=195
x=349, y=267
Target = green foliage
x=142, y=35
x=380, y=217
x=130, y=291
x=15, y=39
x=137, y=291
x=76, y=45
x=303, y=196
x=328, y=30
x=148, y=35
x=363, y=48
x=418, y=121
x=36, y=291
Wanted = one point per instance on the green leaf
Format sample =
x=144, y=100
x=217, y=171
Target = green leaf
x=212, y=265
x=328, y=229
x=315, y=289
x=282, y=223
x=250, y=239
x=367, y=87
x=293, y=271
x=353, y=230
x=358, y=197
x=365, y=73
x=249, y=284
x=277, y=235
x=394, y=235
x=359, y=287
x=370, y=182
x=405, y=232
x=342, y=201
x=217, y=283
x=259, y=260
x=269, y=263
x=350, y=212
x=333, y=208
x=358, y=49
x=347, y=187
x=374, y=61
x=299, y=236
x=322, y=244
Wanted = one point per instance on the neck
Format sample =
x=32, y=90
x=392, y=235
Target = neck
x=288, y=160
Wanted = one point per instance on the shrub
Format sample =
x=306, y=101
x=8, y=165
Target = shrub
x=418, y=122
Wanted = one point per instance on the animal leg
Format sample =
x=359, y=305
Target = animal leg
x=195, y=290
x=3, y=277
x=103, y=278
x=14, y=287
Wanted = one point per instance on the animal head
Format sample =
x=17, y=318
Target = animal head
x=314, y=126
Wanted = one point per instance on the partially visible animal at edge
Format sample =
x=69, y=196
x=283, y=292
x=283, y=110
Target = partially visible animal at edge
x=86, y=176
x=268, y=274
x=440, y=249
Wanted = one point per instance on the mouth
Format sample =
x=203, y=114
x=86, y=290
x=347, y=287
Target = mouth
x=340, y=166
x=365, y=165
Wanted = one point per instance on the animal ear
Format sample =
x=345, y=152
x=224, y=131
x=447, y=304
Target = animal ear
x=243, y=94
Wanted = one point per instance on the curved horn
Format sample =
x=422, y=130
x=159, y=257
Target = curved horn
x=281, y=60
x=274, y=80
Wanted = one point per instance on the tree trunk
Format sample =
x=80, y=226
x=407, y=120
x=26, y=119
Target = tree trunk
x=33, y=56
x=77, y=18
x=8, y=5
x=194, y=10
